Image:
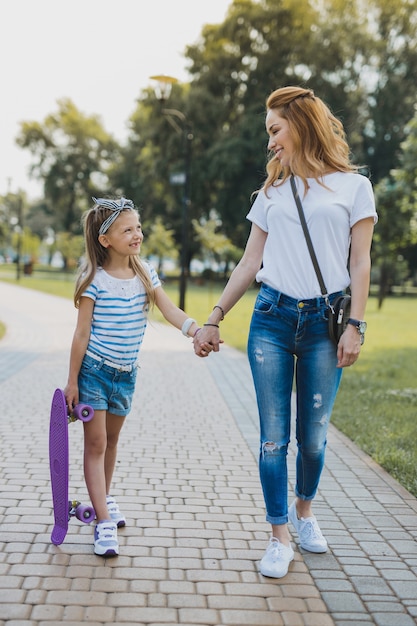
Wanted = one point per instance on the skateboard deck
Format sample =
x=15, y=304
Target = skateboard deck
x=64, y=509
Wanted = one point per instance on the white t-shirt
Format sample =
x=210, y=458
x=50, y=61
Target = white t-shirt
x=330, y=214
x=119, y=315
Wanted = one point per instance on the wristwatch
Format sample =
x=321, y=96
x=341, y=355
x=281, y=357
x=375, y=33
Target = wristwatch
x=360, y=327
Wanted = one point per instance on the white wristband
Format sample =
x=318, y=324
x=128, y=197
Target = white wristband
x=187, y=325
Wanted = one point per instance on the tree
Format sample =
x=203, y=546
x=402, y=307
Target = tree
x=396, y=197
x=159, y=242
x=391, y=74
x=214, y=245
x=235, y=65
x=71, y=247
x=72, y=153
x=12, y=224
x=359, y=71
x=29, y=245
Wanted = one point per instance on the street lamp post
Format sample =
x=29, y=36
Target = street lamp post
x=17, y=224
x=162, y=93
x=19, y=229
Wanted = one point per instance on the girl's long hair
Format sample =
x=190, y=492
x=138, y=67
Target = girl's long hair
x=96, y=256
x=318, y=136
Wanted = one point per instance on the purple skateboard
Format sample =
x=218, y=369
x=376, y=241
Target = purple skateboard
x=64, y=508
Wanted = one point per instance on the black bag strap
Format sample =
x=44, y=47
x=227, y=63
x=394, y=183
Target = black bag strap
x=308, y=239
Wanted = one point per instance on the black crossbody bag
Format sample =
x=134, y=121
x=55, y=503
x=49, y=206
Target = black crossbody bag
x=339, y=310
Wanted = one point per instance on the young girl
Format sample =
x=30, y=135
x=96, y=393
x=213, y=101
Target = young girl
x=113, y=292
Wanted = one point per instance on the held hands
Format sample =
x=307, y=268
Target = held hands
x=207, y=340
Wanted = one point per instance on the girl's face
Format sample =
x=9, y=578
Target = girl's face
x=125, y=235
x=280, y=141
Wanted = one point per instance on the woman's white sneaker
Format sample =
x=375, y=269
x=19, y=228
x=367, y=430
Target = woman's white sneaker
x=308, y=530
x=276, y=560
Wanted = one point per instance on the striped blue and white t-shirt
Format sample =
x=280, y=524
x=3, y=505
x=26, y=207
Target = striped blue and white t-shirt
x=119, y=318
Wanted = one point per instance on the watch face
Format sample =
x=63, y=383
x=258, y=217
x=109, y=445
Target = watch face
x=362, y=327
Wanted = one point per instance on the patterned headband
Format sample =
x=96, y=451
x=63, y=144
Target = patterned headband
x=116, y=206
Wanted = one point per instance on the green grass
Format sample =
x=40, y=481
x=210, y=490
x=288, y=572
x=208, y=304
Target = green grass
x=377, y=402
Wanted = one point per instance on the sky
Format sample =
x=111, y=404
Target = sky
x=98, y=53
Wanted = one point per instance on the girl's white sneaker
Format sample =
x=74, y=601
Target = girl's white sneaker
x=105, y=539
x=114, y=512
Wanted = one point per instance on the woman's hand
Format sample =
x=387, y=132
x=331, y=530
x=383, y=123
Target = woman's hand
x=349, y=347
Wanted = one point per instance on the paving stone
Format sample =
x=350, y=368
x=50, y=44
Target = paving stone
x=339, y=601
x=405, y=590
x=250, y=618
x=334, y=584
x=47, y=612
x=371, y=585
x=393, y=619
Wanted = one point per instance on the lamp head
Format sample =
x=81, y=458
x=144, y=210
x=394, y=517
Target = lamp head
x=163, y=86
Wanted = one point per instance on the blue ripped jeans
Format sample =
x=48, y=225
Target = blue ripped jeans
x=286, y=336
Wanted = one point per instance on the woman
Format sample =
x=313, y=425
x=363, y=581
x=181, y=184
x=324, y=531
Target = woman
x=289, y=328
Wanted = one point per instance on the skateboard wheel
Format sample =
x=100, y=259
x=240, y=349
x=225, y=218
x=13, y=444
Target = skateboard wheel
x=85, y=513
x=83, y=412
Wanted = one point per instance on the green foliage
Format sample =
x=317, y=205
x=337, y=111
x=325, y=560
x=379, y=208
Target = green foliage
x=71, y=154
x=13, y=230
x=158, y=242
x=29, y=244
x=214, y=245
x=235, y=65
x=391, y=71
x=71, y=247
x=396, y=198
x=366, y=72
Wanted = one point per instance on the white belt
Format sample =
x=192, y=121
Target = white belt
x=119, y=368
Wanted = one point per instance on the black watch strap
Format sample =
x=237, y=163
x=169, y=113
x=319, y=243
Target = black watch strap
x=356, y=323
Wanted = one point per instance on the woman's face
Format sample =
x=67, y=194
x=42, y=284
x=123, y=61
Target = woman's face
x=280, y=141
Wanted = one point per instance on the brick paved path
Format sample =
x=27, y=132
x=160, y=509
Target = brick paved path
x=187, y=478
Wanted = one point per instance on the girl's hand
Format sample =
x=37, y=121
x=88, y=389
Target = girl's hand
x=71, y=396
x=207, y=340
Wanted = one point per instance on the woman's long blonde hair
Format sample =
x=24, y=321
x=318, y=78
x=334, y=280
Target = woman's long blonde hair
x=319, y=138
x=96, y=255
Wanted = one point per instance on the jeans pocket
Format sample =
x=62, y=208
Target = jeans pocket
x=262, y=305
x=88, y=364
x=325, y=314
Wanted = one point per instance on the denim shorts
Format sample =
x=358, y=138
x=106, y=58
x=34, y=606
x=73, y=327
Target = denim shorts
x=104, y=388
